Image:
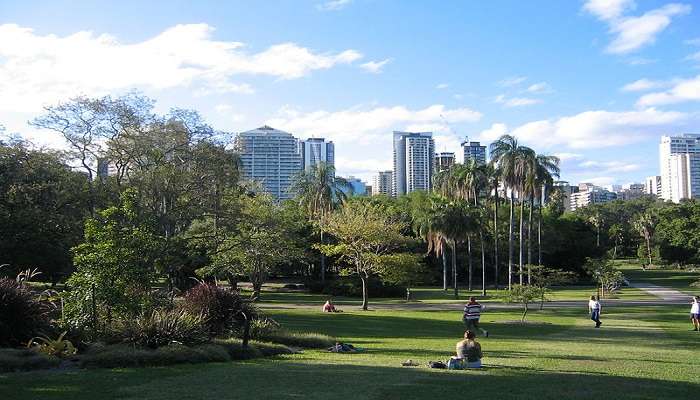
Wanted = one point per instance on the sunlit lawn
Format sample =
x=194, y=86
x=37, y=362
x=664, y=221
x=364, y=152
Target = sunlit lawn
x=639, y=353
x=681, y=280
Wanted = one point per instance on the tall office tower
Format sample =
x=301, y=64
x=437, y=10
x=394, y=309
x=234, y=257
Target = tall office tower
x=652, y=185
x=474, y=151
x=270, y=157
x=444, y=160
x=382, y=183
x=632, y=191
x=679, y=166
x=413, y=162
x=315, y=150
x=359, y=188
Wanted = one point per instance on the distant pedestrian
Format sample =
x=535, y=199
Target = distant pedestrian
x=472, y=313
x=594, y=308
x=695, y=313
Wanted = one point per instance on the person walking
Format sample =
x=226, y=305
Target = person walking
x=472, y=313
x=695, y=313
x=594, y=309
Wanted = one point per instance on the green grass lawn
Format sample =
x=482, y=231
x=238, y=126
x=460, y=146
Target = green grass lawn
x=672, y=278
x=641, y=352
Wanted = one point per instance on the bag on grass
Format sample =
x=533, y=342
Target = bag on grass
x=455, y=363
x=437, y=364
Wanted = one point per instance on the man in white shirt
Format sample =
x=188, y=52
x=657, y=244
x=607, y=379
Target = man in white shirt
x=594, y=308
x=695, y=313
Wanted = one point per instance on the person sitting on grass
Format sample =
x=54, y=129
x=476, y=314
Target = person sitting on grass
x=695, y=313
x=594, y=308
x=344, y=348
x=469, y=350
x=329, y=307
x=472, y=313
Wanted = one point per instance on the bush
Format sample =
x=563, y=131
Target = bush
x=224, y=310
x=116, y=356
x=22, y=315
x=299, y=339
x=255, y=349
x=161, y=327
x=262, y=327
x=25, y=360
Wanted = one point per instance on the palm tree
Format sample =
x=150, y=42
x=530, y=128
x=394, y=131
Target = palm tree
x=492, y=177
x=422, y=211
x=645, y=224
x=548, y=169
x=540, y=174
x=509, y=155
x=319, y=191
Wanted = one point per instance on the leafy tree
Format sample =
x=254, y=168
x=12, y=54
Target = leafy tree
x=368, y=239
x=645, y=224
x=616, y=232
x=544, y=278
x=604, y=273
x=114, y=266
x=524, y=294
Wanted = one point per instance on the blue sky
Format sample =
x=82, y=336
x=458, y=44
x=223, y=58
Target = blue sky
x=596, y=82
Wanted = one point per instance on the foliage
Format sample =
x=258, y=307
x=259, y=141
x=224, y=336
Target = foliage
x=544, y=278
x=22, y=315
x=114, y=267
x=605, y=274
x=349, y=286
x=25, y=360
x=123, y=355
x=59, y=347
x=223, y=310
x=158, y=328
x=524, y=294
x=305, y=340
x=366, y=235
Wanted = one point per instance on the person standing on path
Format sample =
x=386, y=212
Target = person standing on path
x=472, y=313
x=594, y=308
x=695, y=313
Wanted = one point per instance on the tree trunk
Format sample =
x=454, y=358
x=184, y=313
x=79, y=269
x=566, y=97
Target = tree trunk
x=648, y=248
x=455, y=283
x=510, y=241
x=495, y=238
x=483, y=265
x=444, y=269
x=521, y=242
x=525, y=313
x=469, y=262
x=323, y=262
x=597, y=237
x=539, y=235
x=529, y=238
x=364, y=292
x=257, y=287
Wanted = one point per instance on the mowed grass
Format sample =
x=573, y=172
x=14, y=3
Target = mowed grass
x=681, y=280
x=639, y=353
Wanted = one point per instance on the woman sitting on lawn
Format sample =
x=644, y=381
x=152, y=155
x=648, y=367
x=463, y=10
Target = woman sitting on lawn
x=329, y=307
x=469, y=350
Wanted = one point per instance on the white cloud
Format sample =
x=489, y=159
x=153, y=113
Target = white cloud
x=608, y=167
x=563, y=157
x=39, y=69
x=694, y=57
x=644, y=84
x=375, y=67
x=682, y=91
x=442, y=86
x=590, y=129
x=641, y=61
x=633, y=33
x=364, y=125
x=693, y=42
x=333, y=5
x=608, y=9
x=515, y=101
x=512, y=81
x=539, y=88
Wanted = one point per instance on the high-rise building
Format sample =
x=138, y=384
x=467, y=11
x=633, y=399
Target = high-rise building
x=678, y=162
x=359, y=188
x=413, y=161
x=566, y=190
x=271, y=158
x=105, y=168
x=583, y=186
x=315, y=150
x=444, y=160
x=593, y=196
x=382, y=183
x=652, y=185
x=474, y=151
x=632, y=191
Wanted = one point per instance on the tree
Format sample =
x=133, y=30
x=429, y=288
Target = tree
x=421, y=220
x=540, y=177
x=544, y=278
x=645, y=224
x=320, y=191
x=261, y=239
x=114, y=266
x=492, y=176
x=524, y=295
x=604, y=273
x=597, y=221
x=616, y=232
x=368, y=239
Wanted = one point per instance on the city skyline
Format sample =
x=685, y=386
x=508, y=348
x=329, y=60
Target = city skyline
x=625, y=74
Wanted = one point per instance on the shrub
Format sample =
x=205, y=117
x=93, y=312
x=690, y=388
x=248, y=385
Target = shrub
x=22, y=315
x=161, y=327
x=224, y=310
x=262, y=327
x=25, y=360
x=59, y=347
x=347, y=286
x=298, y=339
x=123, y=355
x=255, y=349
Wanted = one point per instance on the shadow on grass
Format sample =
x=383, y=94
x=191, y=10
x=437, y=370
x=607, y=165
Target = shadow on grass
x=275, y=380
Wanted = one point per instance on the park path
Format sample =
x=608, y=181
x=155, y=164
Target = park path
x=661, y=292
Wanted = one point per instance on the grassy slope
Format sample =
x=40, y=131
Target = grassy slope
x=639, y=353
x=676, y=279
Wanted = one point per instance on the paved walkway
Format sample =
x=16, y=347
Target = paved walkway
x=661, y=292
